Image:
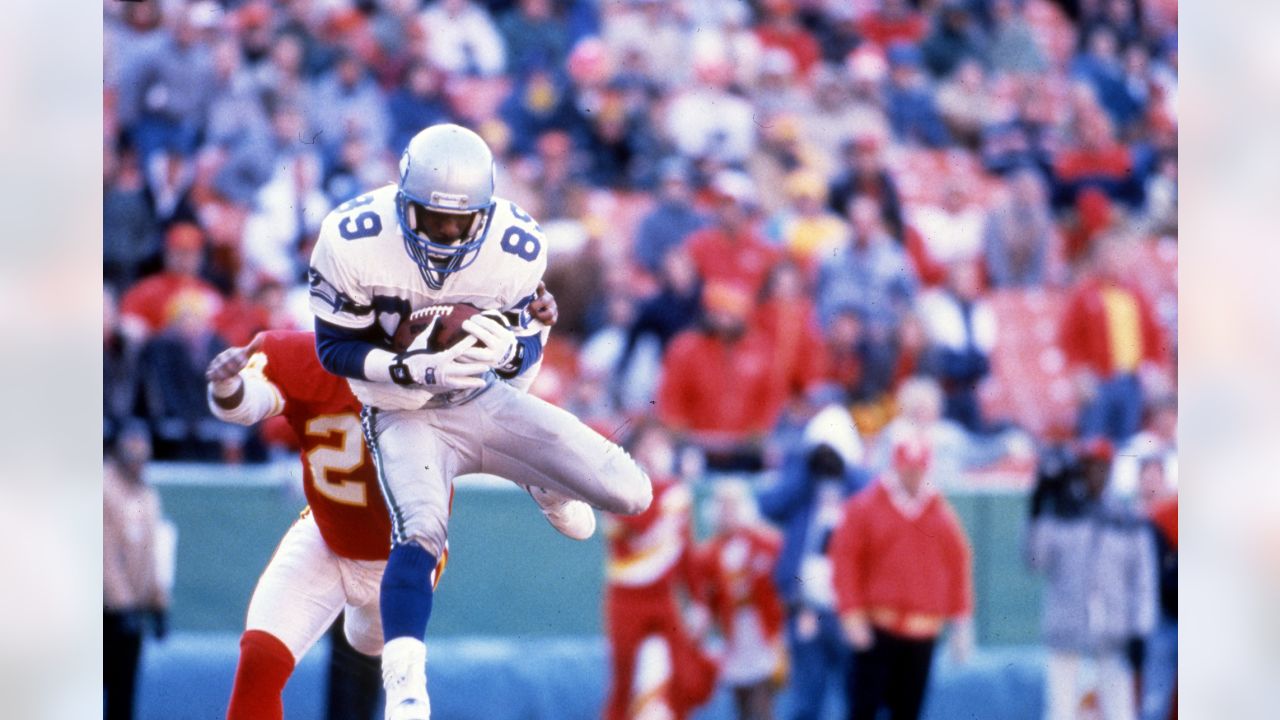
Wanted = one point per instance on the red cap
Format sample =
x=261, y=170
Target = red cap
x=911, y=453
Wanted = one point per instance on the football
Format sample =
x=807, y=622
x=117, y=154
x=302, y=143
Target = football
x=443, y=321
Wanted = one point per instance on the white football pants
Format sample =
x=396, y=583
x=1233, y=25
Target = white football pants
x=501, y=432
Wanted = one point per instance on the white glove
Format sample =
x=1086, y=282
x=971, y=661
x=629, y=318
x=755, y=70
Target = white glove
x=499, y=343
x=438, y=372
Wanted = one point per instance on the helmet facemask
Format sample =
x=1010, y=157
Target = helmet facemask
x=437, y=237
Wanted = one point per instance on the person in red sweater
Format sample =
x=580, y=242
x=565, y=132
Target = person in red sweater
x=895, y=21
x=782, y=29
x=146, y=307
x=737, y=566
x=650, y=557
x=1113, y=344
x=902, y=569
x=731, y=250
x=718, y=386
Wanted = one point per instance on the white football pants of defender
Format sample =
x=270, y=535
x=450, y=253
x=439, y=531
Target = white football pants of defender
x=501, y=432
x=306, y=585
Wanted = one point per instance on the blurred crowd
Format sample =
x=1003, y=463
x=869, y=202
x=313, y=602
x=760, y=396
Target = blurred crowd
x=753, y=208
x=954, y=221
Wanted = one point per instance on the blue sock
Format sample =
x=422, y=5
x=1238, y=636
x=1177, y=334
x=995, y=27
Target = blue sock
x=406, y=592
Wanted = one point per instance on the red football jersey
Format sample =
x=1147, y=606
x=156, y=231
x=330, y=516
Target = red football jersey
x=338, y=474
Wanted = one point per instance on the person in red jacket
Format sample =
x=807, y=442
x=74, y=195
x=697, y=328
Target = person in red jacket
x=718, y=384
x=1112, y=344
x=737, y=566
x=147, y=306
x=650, y=557
x=902, y=569
x=731, y=250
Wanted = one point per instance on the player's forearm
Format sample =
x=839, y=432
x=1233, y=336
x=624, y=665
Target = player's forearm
x=254, y=400
x=347, y=353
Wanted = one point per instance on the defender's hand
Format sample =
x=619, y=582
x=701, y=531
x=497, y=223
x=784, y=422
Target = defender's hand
x=544, y=308
x=497, y=344
x=223, y=372
x=440, y=372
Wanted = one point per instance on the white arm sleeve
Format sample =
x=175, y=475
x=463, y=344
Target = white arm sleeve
x=261, y=400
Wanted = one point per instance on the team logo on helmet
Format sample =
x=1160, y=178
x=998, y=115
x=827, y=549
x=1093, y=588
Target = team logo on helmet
x=404, y=166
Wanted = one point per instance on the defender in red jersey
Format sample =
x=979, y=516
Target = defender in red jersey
x=331, y=560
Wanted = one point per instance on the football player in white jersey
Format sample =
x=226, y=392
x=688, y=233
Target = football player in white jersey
x=441, y=236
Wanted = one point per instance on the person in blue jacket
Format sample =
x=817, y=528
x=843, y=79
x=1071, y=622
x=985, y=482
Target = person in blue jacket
x=817, y=477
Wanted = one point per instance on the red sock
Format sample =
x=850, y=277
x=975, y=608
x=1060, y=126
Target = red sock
x=265, y=666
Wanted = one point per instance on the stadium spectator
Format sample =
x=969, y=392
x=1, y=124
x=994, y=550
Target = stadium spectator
x=1099, y=563
x=786, y=315
x=672, y=219
x=130, y=241
x=892, y=22
x=534, y=37
x=912, y=110
x=166, y=87
x=659, y=318
x=717, y=385
x=1103, y=68
x=344, y=102
x=462, y=39
x=417, y=103
x=782, y=152
x=864, y=173
x=817, y=476
x=708, y=119
x=651, y=557
x=170, y=366
x=731, y=250
x=135, y=596
x=1160, y=674
x=834, y=114
x=902, y=570
x=1023, y=131
x=951, y=230
x=1014, y=48
x=956, y=36
x=1095, y=161
x=961, y=331
x=119, y=372
x=280, y=76
x=805, y=228
x=868, y=274
x=964, y=101
x=1157, y=441
x=257, y=306
x=1112, y=343
x=953, y=450
x=146, y=306
x=538, y=105
x=1019, y=233
x=170, y=176
x=776, y=90
x=736, y=566
x=236, y=110
x=781, y=28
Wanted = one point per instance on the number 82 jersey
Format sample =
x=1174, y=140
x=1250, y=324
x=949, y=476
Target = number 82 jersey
x=362, y=278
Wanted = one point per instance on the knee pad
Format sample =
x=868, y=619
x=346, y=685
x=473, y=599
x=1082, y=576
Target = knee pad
x=363, y=638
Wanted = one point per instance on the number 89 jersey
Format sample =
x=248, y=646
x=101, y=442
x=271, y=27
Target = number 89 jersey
x=362, y=277
x=338, y=475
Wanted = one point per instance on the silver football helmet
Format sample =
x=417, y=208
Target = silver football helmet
x=445, y=197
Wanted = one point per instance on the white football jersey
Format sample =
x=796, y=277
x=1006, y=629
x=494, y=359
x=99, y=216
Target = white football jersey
x=361, y=275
